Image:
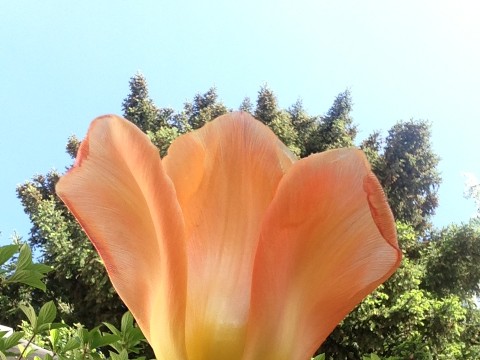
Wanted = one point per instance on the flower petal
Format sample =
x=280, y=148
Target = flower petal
x=225, y=176
x=126, y=204
x=327, y=241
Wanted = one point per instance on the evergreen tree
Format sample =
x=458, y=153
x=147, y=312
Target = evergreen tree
x=246, y=105
x=473, y=192
x=304, y=125
x=205, y=107
x=267, y=105
x=163, y=135
x=336, y=128
x=452, y=265
x=139, y=108
x=372, y=146
x=282, y=126
x=73, y=143
x=280, y=121
x=409, y=174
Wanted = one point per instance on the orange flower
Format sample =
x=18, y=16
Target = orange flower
x=230, y=248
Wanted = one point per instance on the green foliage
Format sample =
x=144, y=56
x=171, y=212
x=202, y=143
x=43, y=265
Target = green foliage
x=129, y=336
x=336, y=129
x=246, y=105
x=139, y=108
x=17, y=267
x=473, y=192
x=6, y=252
x=15, y=274
x=452, y=266
x=8, y=342
x=31, y=195
x=267, y=105
x=282, y=126
x=64, y=342
x=44, y=320
x=280, y=121
x=78, y=342
x=372, y=147
x=26, y=272
x=408, y=173
x=163, y=137
x=304, y=126
x=204, y=108
x=72, y=146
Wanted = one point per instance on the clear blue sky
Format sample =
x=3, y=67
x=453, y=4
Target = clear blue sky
x=62, y=63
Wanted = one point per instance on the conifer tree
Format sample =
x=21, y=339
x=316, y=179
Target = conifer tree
x=304, y=125
x=267, y=105
x=408, y=172
x=139, y=108
x=205, y=107
x=336, y=128
x=246, y=105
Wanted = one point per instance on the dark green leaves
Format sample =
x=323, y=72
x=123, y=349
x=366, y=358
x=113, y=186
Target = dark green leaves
x=408, y=172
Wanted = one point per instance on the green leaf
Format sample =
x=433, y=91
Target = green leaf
x=112, y=328
x=6, y=252
x=25, y=350
x=24, y=258
x=47, y=313
x=53, y=337
x=72, y=343
x=44, y=327
x=134, y=336
x=83, y=335
x=127, y=321
x=371, y=357
x=58, y=325
x=319, y=357
x=30, y=314
x=104, y=340
x=29, y=278
x=41, y=268
x=123, y=355
x=13, y=339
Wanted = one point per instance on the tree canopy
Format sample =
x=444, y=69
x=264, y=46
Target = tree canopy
x=424, y=311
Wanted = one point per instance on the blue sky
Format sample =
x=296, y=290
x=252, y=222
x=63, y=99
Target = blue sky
x=63, y=63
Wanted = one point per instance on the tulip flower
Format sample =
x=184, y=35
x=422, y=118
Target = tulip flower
x=229, y=247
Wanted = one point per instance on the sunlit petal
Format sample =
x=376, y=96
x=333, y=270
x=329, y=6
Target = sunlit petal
x=121, y=196
x=327, y=241
x=225, y=176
